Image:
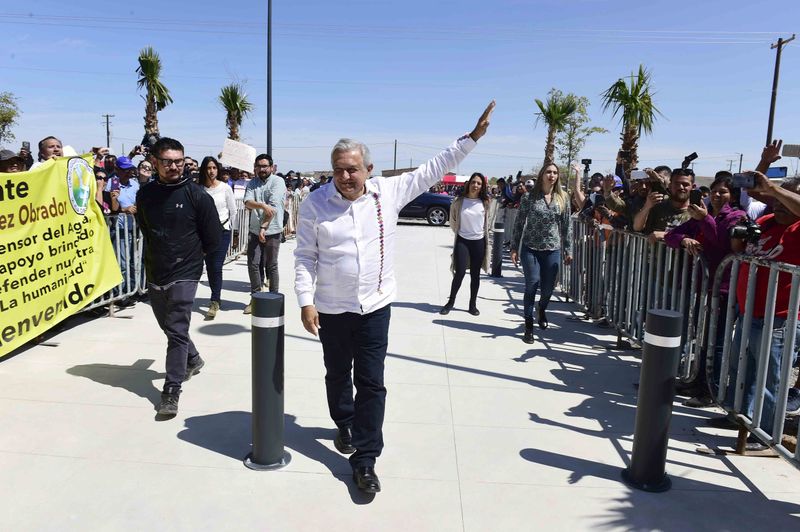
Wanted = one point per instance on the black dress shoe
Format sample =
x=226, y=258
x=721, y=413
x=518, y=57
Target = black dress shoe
x=474, y=311
x=446, y=309
x=344, y=441
x=366, y=479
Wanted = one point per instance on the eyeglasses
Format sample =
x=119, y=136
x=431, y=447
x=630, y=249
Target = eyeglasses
x=146, y=167
x=169, y=162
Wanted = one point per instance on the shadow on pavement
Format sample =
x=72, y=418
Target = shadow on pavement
x=137, y=378
x=422, y=307
x=230, y=434
x=695, y=505
x=223, y=329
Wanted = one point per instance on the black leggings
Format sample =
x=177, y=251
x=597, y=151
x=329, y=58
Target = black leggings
x=467, y=252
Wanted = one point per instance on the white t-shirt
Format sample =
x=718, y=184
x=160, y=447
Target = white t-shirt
x=470, y=226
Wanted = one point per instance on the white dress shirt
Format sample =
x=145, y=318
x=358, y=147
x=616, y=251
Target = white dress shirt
x=339, y=253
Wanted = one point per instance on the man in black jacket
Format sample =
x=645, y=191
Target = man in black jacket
x=180, y=225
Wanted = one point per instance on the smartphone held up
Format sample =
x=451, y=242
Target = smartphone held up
x=744, y=180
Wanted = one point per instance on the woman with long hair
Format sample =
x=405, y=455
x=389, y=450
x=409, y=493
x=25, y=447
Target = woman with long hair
x=542, y=231
x=210, y=169
x=469, y=220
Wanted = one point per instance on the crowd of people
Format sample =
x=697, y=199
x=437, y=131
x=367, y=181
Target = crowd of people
x=344, y=272
x=745, y=212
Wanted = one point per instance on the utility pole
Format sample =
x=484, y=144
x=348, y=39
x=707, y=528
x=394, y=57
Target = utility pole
x=395, y=154
x=741, y=155
x=269, y=77
x=108, y=128
x=730, y=164
x=779, y=47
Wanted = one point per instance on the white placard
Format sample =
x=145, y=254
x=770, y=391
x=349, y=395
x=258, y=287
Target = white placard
x=238, y=155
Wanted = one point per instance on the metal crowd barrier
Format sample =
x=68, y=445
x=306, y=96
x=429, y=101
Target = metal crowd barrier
x=129, y=250
x=618, y=275
x=239, y=236
x=126, y=240
x=730, y=372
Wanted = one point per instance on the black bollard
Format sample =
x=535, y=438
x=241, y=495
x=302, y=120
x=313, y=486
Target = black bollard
x=660, y=358
x=498, y=235
x=267, y=357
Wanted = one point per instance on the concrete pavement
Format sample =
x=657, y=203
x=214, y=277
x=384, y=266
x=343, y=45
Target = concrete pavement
x=482, y=431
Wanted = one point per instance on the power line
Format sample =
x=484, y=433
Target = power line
x=407, y=32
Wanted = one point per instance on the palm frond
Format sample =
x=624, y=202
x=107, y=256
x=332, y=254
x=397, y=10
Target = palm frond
x=149, y=71
x=633, y=101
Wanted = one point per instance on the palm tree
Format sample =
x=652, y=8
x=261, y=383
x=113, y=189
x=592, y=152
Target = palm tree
x=237, y=106
x=157, y=97
x=634, y=102
x=555, y=112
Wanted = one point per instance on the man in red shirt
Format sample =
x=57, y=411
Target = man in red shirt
x=779, y=242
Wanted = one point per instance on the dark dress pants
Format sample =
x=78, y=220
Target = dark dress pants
x=357, y=342
x=172, y=307
x=261, y=257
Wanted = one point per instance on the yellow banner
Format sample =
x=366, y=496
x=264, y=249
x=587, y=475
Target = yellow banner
x=55, y=251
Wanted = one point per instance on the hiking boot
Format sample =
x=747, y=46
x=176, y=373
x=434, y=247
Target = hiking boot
x=248, y=309
x=213, y=308
x=169, y=401
x=193, y=367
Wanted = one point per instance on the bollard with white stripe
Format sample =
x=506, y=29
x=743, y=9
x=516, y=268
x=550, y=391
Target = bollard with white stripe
x=498, y=235
x=660, y=358
x=267, y=357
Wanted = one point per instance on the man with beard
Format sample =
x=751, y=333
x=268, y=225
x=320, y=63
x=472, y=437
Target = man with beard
x=264, y=197
x=180, y=225
x=659, y=214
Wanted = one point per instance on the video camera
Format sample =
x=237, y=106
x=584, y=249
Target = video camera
x=688, y=160
x=148, y=141
x=746, y=230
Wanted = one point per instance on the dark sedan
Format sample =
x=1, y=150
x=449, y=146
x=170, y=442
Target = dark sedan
x=435, y=208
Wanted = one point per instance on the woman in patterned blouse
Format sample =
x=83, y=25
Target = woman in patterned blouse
x=541, y=231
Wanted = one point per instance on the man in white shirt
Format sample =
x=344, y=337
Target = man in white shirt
x=344, y=281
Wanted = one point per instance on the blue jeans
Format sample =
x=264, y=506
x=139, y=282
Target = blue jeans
x=779, y=335
x=540, y=268
x=214, y=262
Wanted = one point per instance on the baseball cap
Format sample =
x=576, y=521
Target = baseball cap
x=124, y=163
x=617, y=182
x=529, y=183
x=7, y=155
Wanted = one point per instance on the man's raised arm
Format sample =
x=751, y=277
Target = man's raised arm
x=414, y=183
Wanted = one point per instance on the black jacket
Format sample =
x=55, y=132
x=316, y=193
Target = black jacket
x=180, y=224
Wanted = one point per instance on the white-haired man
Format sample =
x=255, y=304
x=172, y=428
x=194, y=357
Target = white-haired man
x=345, y=284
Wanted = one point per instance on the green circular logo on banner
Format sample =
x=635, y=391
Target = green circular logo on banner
x=79, y=183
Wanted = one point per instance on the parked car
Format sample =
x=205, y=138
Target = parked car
x=435, y=208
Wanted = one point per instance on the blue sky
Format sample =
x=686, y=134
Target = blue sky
x=419, y=72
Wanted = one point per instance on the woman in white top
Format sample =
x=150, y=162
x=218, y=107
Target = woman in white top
x=469, y=221
x=226, y=207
